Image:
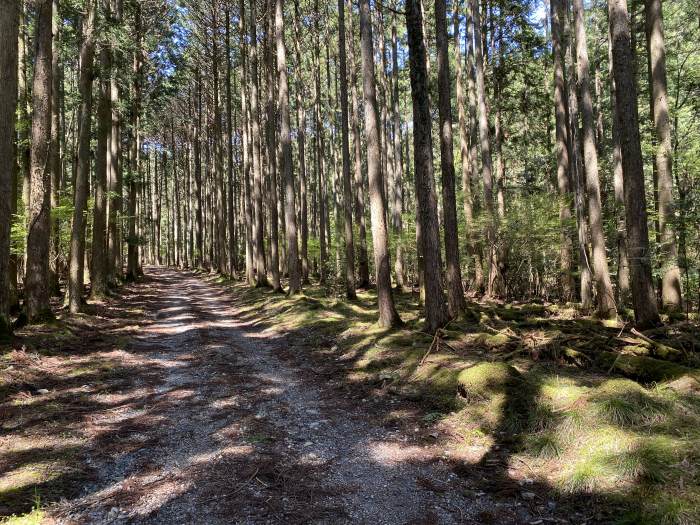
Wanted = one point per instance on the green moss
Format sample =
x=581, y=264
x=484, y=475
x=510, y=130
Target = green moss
x=485, y=380
x=491, y=340
x=624, y=403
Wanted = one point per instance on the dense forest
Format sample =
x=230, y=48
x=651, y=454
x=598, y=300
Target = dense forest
x=436, y=161
x=262, y=145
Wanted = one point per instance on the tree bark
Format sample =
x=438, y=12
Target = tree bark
x=98, y=269
x=358, y=178
x=9, y=31
x=561, y=112
x=643, y=298
x=492, y=288
x=257, y=200
x=388, y=316
x=287, y=167
x=347, y=187
x=39, y=211
x=77, y=246
x=668, y=252
x=455, y=290
x=605, y=298
x=272, y=148
x=436, y=314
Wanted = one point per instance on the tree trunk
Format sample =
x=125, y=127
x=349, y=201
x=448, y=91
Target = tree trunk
x=55, y=157
x=271, y=125
x=358, y=178
x=388, y=316
x=9, y=30
x=455, y=290
x=286, y=166
x=605, y=298
x=561, y=111
x=643, y=299
x=257, y=200
x=132, y=264
x=668, y=252
x=436, y=314
x=486, y=160
x=39, y=211
x=397, y=193
x=347, y=187
x=77, y=243
x=98, y=269
x=473, y=142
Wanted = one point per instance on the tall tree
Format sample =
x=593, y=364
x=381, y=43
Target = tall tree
x=257, y=200
x=39, y=212
x=271, y=126
x=605, y=298
x=561, y=113
x=388, y=316
x=486, y=159
x=671, y=279
x=347, y=188
x=455, y=291
x=77, y=240
x=9, y=30
x=286, y=166
x=103, y=162
x=358, y=178
x=429, y=249
x=643, y=298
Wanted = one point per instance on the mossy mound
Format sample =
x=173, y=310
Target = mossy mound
x=485, y=380
x=623, y=402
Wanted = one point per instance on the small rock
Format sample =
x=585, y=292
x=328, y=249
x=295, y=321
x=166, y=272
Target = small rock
x=42, y=391
x=527, y=495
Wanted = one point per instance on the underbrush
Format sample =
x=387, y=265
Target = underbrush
x=594, y=409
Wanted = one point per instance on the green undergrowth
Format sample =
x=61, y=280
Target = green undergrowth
x=587, y=405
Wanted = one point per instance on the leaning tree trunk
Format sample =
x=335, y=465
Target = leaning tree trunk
x=77, y=242
x=671, y=275
x=605, y=298
x=435, y=313
x=643, y=298
x=388, y=316
x=455, y=290
x=9, y=30
x=39, y=212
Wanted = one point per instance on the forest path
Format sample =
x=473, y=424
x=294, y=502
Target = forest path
x=219, y=428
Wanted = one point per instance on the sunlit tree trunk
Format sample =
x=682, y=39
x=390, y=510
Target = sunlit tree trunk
x=604, y=292
x=455, y=291
x=668, y=253
x=643, y=297
x=388, y=316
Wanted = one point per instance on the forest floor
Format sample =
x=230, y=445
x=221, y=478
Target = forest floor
x=188, y=398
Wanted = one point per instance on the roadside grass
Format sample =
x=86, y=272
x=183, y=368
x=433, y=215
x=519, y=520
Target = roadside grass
x=527, y=378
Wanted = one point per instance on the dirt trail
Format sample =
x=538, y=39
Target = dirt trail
x=228, y=431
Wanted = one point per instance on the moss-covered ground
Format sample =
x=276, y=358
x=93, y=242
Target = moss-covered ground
x=594, y=410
